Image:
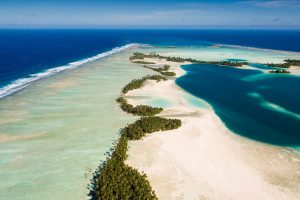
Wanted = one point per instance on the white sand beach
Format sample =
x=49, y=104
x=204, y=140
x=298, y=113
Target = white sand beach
x=55, y=131
x=205, y=160
x=294, y=70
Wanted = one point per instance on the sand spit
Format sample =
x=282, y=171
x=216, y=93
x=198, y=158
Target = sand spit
x=203, y=159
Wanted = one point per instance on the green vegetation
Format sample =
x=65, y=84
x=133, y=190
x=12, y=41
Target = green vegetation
x=182, y=60
x=179, y=59
x=115, y=180
x=141, y=56
x=137, y=56
x=225, y=63
x=162, y=70
x=137, y=83
x=279, y=71
x=141, y=110
x=147, y=125
x=280, y=65
x=159, y=69
x=166, y=68
x=168, y=73
x=287, y=63
x=142, y=62
x=293, y=62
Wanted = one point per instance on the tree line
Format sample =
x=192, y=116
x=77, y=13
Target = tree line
x=141, y=56
x=279, y=71
x=115, y=180
x=162, y=70
x=137, y=83
x=287, y=63
x=141, y=110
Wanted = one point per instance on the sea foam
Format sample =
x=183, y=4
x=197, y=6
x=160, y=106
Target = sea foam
x=24, y=82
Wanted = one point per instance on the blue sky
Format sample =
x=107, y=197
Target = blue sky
x=150, y=13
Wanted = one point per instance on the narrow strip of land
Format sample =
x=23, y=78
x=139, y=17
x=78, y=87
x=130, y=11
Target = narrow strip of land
x=203, y=159
x=114, y=179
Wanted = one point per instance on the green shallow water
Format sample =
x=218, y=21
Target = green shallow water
x=54, y=133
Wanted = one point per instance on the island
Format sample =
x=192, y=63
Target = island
x=279, y=71
x=141, y=56
x=116, y=180
x=287, y=63
x=122, y=175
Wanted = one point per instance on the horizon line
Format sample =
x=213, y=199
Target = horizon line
x=157, y=27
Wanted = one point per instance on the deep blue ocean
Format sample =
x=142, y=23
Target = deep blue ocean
x=26, y=52
x=26, y=55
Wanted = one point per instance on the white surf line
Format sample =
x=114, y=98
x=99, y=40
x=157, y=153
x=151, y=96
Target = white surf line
x=24, y=82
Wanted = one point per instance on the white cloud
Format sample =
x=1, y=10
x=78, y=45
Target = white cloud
x=273, y=4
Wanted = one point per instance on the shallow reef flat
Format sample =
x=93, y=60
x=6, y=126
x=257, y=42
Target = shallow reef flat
x=54, y=133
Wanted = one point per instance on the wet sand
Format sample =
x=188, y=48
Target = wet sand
x=203, y=159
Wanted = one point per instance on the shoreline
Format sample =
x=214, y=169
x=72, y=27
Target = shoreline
x=21, y=83
x=212, y=160
x=70, y=122
x=79, y=130
x=114, y=178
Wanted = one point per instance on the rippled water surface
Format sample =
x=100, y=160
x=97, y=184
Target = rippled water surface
x=266, y=109
x=54, y=133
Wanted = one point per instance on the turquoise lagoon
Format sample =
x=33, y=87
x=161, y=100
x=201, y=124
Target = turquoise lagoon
x=265, y=109
x=251, y=102
x=54, y=133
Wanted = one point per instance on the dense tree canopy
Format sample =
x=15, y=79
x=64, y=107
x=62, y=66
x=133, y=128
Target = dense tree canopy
x=146, y=125
x=141, y=110
x=279, y=71
x=115, y=180
x=137, y=83
x=182, y=60
x=162, y=70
